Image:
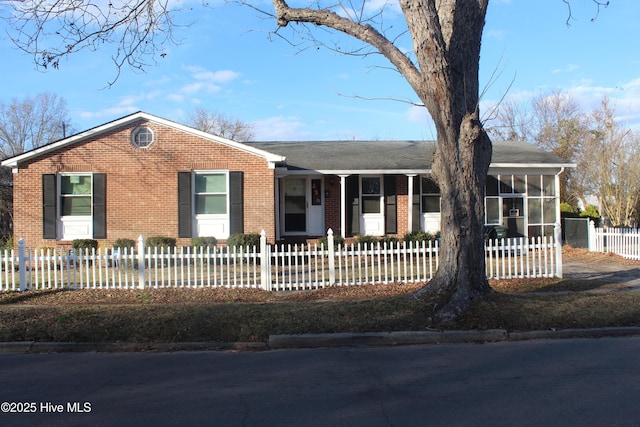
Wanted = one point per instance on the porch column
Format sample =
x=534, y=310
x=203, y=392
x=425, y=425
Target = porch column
x=343, y=205
x=277, y=207
x=410, y=201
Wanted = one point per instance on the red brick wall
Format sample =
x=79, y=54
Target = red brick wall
x=402, y=188
x=142, y=195
x=332, y=204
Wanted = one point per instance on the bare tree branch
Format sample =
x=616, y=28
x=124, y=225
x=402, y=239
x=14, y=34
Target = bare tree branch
x=51, y=30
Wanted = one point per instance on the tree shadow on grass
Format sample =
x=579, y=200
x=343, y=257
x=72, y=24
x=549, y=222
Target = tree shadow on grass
x=548, y=285
x=16, y=297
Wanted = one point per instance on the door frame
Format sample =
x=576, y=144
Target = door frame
x=314, y=205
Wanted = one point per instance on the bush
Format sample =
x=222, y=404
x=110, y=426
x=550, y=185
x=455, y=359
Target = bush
x=592, y=213
x=204, y=242
x=161, y=242
x=82, y=244
x=389, y=240
x=124, y=244
x=366, y=240
x=568, y=211
x=6, y=244
x=337, y=241
x=418, y=236
x=244, y=240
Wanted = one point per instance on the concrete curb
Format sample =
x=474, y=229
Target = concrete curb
x=384, y=338
x=80, y=347
x=367, y=339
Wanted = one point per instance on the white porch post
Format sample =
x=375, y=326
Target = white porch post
x=343, y=205
x=277, y=207
x=558, y=246
x=141, y=261
x=410, y=201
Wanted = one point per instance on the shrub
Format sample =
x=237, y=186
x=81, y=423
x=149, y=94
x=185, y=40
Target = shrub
x=6, y=244
x=337, y=241
x=366, y=240
x=388, y=240
x=568, y=211
x=244, y=240
x=161, y=242
x=124, y=244
x=204, y=242
x=82, y=244
x=592, y=213
x=418, y=236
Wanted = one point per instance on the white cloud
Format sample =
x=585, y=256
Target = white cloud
x=280, y=128
x=569, y=68
x=416, y=114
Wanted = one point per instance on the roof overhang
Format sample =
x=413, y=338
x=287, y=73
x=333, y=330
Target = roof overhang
x=14, y=162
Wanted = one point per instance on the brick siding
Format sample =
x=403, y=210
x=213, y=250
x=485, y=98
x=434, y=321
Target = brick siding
x=141, y=194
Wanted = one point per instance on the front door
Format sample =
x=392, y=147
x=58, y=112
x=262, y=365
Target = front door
x=303, y=205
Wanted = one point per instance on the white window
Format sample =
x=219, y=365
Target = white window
x=211, y=203
x=429, y=205
x=211, y=193
x=430, y=195
x=76, y=206
x=142, y=137
x=371, y=195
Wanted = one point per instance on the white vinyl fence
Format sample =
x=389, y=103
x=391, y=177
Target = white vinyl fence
x=620, y=241
x=269, y=267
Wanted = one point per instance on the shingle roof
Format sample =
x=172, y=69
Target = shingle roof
x=352, y=156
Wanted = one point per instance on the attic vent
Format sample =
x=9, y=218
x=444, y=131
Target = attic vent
x=142, y=136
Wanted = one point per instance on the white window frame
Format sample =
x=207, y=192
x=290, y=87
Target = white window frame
x=71, y=227
x=139, y=130
x=211, y=225
x=429, y=221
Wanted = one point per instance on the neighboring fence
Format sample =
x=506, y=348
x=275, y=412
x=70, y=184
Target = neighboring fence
x=269, y=267
x=621, y=241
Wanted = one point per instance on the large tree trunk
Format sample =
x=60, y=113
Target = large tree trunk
x=461, y=274
x=449, y=61
x=446, y=37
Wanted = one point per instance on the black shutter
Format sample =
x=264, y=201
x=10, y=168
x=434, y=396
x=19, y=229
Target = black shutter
x=185, y=218
x=353, y=205
x=415, y=200
x=49, y=211
x=390, y=205
x=99, y=206
x=236, y=203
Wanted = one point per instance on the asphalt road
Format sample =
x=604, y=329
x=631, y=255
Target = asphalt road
x=575, y=382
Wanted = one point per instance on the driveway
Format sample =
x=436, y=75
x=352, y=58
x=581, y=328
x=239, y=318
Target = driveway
x=605, y=268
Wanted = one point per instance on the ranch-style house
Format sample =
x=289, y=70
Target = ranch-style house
x=145, y=175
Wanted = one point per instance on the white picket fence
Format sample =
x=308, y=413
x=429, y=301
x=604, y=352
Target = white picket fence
x=269, y=267
x=620, y=241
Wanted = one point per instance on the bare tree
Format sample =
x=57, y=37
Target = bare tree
x=221, y=125
x=610, y=165
x=513, y=122
x=24, y=125
x=442, y=69
x=561, y=127
x=51, y=30
x=31, y=122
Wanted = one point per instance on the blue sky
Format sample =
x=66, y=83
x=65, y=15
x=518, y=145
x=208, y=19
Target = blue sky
x=227, y=62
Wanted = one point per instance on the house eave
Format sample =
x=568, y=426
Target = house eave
x=14, y=162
